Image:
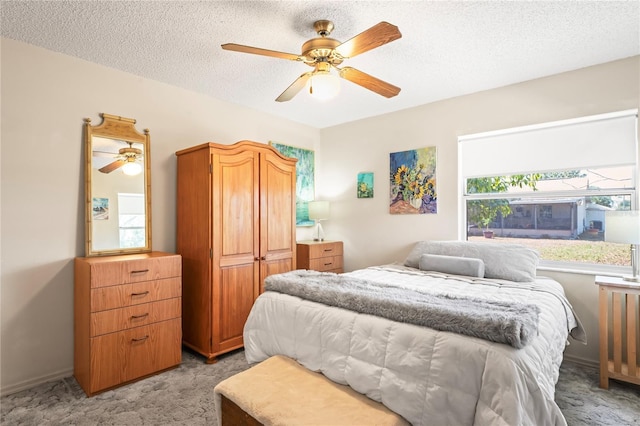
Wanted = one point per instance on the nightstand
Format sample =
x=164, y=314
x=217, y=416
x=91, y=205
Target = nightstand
x=323, y=256
x=619, y=308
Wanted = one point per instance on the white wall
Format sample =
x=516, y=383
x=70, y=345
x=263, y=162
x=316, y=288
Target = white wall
x=372, y=236
x=45, y=96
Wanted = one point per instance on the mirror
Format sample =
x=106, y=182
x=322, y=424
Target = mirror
x=117, y=187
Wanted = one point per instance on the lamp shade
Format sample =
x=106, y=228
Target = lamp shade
x=319, y=210
x=622, y=227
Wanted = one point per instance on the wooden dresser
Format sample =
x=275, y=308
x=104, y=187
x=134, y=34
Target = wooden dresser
x=323, y=256
x=127, y=321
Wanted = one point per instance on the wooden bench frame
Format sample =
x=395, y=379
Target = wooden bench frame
x=279, y=391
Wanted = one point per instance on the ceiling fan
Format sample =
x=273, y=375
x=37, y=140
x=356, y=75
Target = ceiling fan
x=126, y=157
x=324, y=53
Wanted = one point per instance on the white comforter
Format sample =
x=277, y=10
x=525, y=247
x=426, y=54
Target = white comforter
x=427, y=376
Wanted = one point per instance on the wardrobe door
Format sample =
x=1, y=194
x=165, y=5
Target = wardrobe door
x=235, y=244
x=277, y=216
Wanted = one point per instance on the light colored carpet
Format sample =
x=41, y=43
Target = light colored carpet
x=583, y=402
x=184, y=396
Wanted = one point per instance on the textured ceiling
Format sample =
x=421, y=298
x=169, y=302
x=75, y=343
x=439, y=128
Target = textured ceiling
x=447, y=49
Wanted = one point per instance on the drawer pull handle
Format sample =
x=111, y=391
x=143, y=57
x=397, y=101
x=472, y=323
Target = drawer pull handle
x=140, y=339
x=139, y=271
x=328, y=264
x=328, y=249
x=144, y=293
x=139, y=316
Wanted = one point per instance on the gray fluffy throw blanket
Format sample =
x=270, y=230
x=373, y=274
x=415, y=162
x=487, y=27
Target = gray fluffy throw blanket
x=504, y=322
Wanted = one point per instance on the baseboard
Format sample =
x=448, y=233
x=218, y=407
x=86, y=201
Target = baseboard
x=28, y=384
x=582, y=361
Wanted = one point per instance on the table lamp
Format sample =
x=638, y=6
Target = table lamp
x=319, y=210
x=624, y=227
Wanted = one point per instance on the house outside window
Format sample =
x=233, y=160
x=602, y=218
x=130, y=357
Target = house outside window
x=519, y=198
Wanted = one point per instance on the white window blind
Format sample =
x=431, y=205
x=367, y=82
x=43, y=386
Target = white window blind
x=596, y=141
x=130, y=204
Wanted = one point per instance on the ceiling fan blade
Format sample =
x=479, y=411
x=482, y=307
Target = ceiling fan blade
x=367, y=81
x=264, y=52
x=375, y=36
x=295, y=87
x=112, y=166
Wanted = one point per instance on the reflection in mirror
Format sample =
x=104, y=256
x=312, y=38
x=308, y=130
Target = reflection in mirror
x=117, y=188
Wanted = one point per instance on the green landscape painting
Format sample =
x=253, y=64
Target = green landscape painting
x=305, y=172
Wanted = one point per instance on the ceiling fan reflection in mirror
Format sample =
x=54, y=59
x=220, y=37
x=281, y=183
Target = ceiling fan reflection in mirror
x=127, y=158
x=325, y=54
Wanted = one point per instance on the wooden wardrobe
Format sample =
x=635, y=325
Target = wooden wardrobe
x=236, y=225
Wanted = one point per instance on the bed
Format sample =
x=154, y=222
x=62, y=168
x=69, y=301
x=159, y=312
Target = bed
x=448, y=369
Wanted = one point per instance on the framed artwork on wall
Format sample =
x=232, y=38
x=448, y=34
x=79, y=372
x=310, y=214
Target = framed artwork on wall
x=305, y=184
x=413, y=182
x=365, y=185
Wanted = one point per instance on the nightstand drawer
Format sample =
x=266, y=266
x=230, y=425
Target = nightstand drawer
x=325, y=249
x=326, y=264
x=134, y=316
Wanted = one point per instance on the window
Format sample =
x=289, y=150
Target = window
x=131, y=220
x=549, y=186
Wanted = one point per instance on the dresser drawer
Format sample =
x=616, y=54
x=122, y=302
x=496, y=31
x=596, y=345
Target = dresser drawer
x=134, y=316
x=326, y=264
x=127, y=355
x=325, y=249
x=134, y=270
x=120, y=296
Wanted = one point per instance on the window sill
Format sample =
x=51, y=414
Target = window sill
x=584, y=269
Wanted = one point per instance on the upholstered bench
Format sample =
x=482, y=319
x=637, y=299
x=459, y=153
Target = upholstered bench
x=279, y=391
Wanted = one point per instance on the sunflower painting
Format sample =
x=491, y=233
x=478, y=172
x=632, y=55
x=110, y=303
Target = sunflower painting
x=413, y=182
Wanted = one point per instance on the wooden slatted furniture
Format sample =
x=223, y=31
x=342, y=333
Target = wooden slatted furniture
x=619, y=341
x=236, y=225
x=127, y=321
x=323, y=256
x=281, y=391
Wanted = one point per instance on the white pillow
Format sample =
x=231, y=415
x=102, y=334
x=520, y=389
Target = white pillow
x=456, y=265
x=513, y=262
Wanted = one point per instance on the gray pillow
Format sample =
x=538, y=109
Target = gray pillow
x=456, y=265
x=513, y=262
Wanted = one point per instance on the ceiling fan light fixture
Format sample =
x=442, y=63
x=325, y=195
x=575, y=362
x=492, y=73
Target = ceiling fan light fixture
x=131, y=168
x=323, y=85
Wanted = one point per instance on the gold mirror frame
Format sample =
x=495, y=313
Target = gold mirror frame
x=109, y=146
